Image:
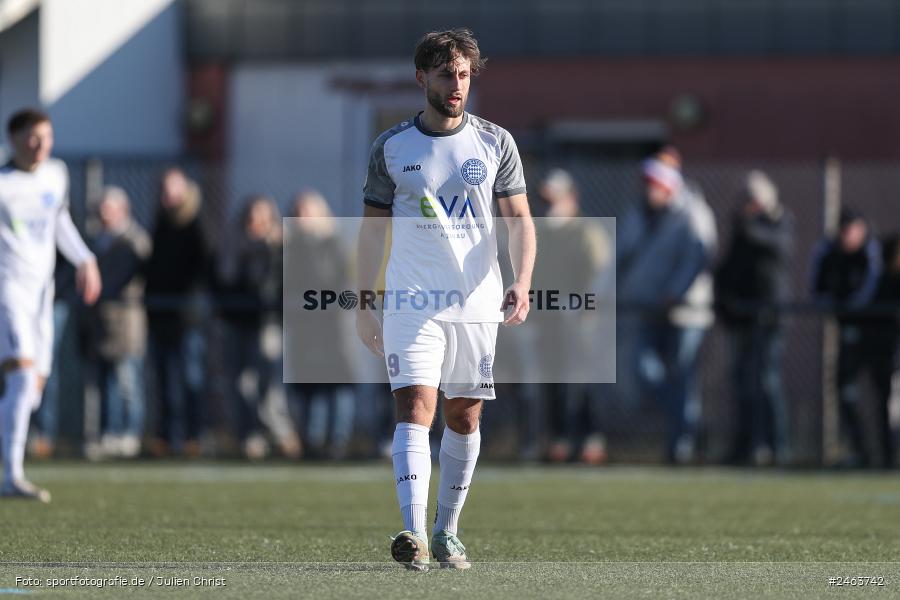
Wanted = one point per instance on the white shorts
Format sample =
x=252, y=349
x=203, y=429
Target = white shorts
x=26, y=332
x=455, y=357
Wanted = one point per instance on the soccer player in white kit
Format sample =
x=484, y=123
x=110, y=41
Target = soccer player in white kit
x=437, y=176
x=34, y=222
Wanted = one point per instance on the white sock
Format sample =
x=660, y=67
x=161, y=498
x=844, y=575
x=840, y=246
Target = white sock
x=15, y=413
x=412, y=472
x=459, y=453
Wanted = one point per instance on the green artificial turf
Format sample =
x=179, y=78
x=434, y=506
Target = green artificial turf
x=284, y=531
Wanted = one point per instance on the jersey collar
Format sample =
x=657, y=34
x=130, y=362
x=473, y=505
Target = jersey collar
x=11, y=164
x=430, y=133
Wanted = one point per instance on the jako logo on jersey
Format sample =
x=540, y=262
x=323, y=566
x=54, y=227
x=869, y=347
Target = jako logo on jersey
x=426, y=205
x=487, y=386
x=474, y=172
x=409, y=168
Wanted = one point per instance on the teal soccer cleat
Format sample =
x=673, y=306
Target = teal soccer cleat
x=449, y=551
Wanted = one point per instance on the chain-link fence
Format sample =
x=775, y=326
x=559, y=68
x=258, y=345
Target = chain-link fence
x=607, y=189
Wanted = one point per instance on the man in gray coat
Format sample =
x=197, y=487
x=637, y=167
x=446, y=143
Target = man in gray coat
x=121, y=248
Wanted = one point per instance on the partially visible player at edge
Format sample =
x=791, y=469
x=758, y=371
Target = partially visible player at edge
x=34, y=222
x=442, y=153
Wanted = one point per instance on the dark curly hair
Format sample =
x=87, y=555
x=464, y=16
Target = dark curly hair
x=438, y=48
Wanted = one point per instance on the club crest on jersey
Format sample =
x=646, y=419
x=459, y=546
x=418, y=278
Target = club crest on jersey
x=474, y=172
x=485, y=366
x=48, y=199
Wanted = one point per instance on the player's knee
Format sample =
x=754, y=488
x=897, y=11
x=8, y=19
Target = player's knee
x=18, y=382
x=415, y=405
x=464, y=423
x=18, y=369
x=415, y=411
x=15, y=364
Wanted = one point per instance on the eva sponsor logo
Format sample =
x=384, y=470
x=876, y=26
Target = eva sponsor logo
x=428, y=207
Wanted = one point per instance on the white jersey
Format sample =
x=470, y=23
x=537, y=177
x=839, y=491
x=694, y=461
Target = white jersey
x=34, y=221
x=440, y=187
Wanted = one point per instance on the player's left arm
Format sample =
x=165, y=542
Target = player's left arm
x=522, y=253
x=70, y=244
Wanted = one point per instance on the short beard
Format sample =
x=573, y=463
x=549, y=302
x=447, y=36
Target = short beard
x=438, y=104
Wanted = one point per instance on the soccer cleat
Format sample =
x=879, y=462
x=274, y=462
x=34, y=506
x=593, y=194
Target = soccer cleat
x=411, y=550
x=449, y=551
x=24, y=490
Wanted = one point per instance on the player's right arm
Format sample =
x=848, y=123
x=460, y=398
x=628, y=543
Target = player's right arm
x=378, y=195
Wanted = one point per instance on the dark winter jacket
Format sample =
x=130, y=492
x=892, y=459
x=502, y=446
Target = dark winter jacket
x=752, y=279
x=845, y=282
x=178, y=267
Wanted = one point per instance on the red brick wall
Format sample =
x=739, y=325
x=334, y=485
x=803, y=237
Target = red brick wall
x=755, y=108
x=208, y=83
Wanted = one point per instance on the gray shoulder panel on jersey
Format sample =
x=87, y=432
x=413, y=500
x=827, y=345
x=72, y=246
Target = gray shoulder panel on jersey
x=378, y=190
x=510, y=176
x=485, y=125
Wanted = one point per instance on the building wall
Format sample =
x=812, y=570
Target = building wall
x=754, y=108
x=112, y=76
x=18, y=68
x=293, y=126
x=346, y=29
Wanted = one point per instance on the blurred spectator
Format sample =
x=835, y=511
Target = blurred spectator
x=751, y=283
x=573, y=251
x=251, y=274
x=120, y=329
x=665, y=246
x=324, y=411
x=176, y=276
x=844, y=278
x=882, y=336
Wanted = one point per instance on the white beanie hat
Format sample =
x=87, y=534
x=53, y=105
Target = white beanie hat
x=760, y=188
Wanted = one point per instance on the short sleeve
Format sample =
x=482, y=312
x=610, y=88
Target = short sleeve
x=378, y=191
x=510, y=175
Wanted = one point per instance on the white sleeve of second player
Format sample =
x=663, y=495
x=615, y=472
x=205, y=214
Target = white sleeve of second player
x=69, y=241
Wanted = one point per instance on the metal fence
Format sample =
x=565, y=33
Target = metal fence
x=609, y=189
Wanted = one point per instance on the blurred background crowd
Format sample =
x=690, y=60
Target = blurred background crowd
x=182, y=355
x=756, y=265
